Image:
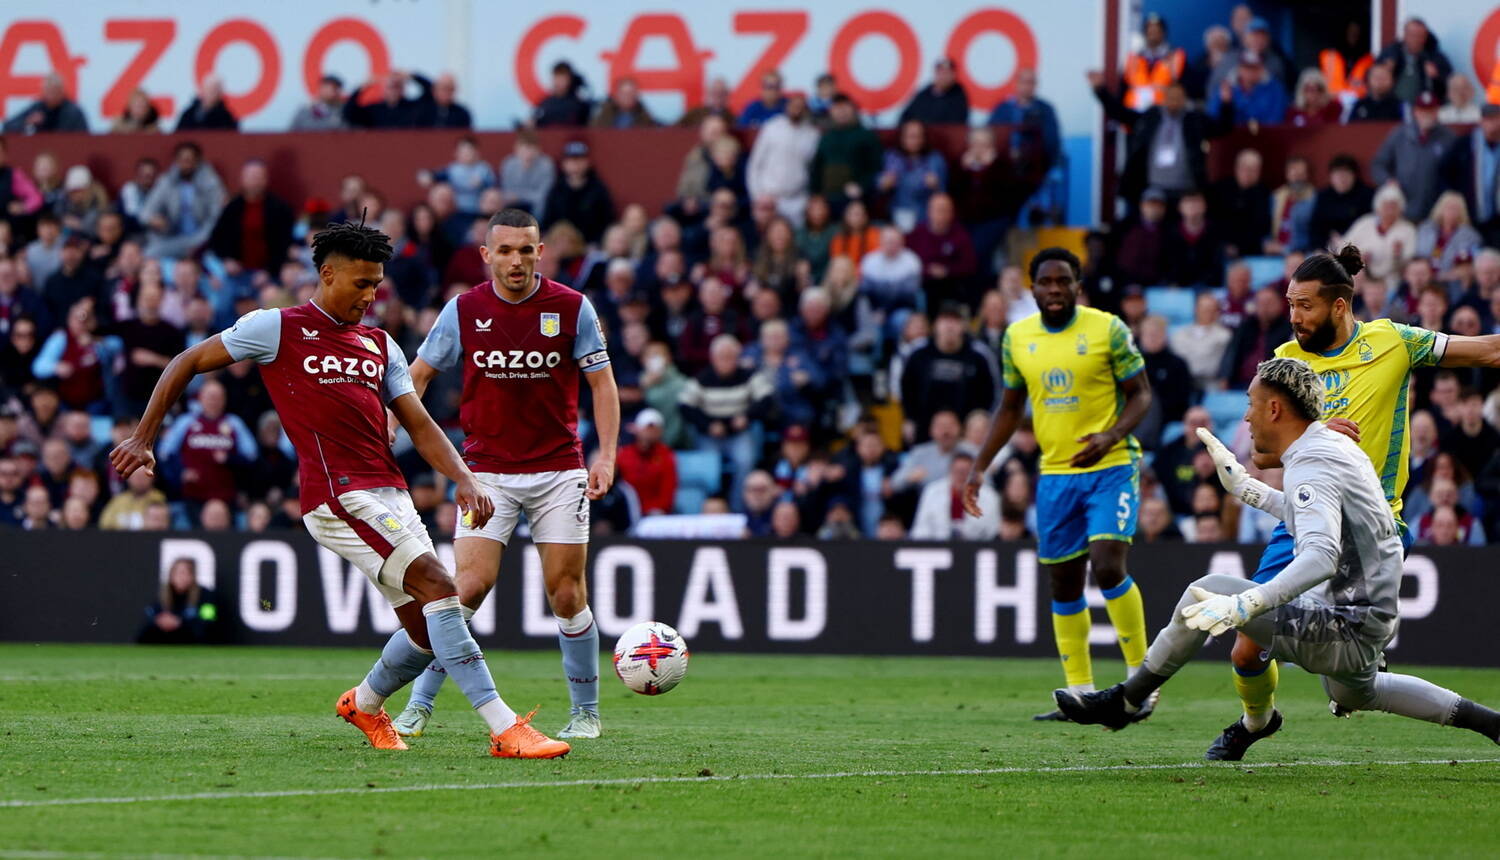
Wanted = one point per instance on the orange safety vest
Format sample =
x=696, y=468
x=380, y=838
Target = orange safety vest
x=1146, y=80
x=1492, y=92
x=1331, y=64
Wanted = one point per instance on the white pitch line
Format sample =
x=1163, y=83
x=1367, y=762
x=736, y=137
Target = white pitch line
x=660, y=780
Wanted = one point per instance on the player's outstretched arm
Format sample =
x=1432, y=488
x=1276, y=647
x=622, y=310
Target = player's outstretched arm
x=607, y=422
x=438, y=451
x=136, y=452
x=1481, y=351
x=1002, y=425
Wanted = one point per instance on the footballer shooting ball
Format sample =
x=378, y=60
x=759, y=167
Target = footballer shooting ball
x=651, y=658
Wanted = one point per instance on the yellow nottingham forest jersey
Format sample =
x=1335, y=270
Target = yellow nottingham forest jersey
x=1367, y=381
x=1071, y=377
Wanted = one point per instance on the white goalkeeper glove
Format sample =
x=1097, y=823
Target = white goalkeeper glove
x=1256, y=494
x=1218, y=613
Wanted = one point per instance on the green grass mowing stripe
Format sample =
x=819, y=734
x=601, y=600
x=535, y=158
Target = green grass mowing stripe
x=655, y=780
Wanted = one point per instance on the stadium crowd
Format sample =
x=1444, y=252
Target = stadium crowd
x=809, y=332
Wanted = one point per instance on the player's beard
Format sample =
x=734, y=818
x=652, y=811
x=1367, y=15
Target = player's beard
x=1321, y=338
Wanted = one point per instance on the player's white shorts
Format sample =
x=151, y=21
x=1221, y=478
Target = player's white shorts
x=378, y=531
x=554, y=502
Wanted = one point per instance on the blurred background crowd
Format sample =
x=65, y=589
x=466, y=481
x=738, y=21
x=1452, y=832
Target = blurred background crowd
x=805, y=329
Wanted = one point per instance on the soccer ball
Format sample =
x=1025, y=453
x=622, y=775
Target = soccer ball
x=651, y=658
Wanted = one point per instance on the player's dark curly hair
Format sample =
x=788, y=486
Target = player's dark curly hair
x=355, y=241
x=1335, y=273
x=1049, y=254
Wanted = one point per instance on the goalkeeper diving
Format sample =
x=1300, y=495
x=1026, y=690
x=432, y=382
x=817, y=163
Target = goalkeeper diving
x=1333, y=609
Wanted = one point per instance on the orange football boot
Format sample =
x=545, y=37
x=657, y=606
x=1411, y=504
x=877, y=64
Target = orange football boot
x=523, y=741
x=377, y=727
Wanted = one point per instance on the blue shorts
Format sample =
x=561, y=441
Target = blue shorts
x=1074, y=510
x=1278, y=553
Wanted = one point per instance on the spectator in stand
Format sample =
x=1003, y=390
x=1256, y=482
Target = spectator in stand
x=1345, y=199
x=1410, y=156
x=1194, y=250
x=526, y=175
x=74, y=281
x=1313, y=105
x=815, y=236
x=83, y=202
x=43, y=255
x=76, y=357
x=442, y=109
x=1217, y=43
x=1374, y=301
x=49, y=179
x=1462, y=107
x=771, y=102
x=1202, y=342
x=649, y=466
x=782, y=157
x=147, y=343
x=1166, y=143
x=1032, y=116
x=711, y=318
x=1447, y=234
x=183, y=205
x=721, y=401
x=254, y=231
x=127, y=510
x=715, y=104
x=1156, y=66
x=184, y=612
x=1384, y=237
x=623, y=108
x=796, y=378
x=1472, y=441
x=1379, y=103
x=468, y=174
x=848, y=157
x=948, y=374
x=912, y=172
x=1292, y=208
x=207, y=447
x=940, y=511
x=565, y=105
x=942, y=102
x=18, y=194
x=1471, y=166
x=393, y=109
x=929, y=461
x=326, y=111
x=37, y=511
x=989, y=189
x=1416, y=63
x=777, y=265
x=692, y=180
x=867, y=469
x=855, y=236
x=1240, y=208
x=1254, y=39
x=580, y=197
x=207, y=111
x=948, y=260
x=139, y=116
x=817, y=334
x=1256, y=96
x=18, y=301
x=1171, y=379
x=891, y=279
x=1256, y=338
x=1182, y=464
x=1140, y=257
x=54, y=111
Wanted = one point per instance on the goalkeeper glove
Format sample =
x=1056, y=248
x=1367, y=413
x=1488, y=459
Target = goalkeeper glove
x=1217, y=613
x=1232, y=475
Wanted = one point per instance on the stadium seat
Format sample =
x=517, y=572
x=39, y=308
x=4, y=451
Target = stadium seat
x=100, y=427
x=689, y=500
x=1226, y=407
x=1170, y=433
x=1173, y=303
x=1264, y=270
x=698, y=471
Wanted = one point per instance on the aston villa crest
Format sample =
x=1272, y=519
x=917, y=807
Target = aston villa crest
x=551, y=325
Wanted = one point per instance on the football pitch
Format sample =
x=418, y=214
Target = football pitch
x=130, y=751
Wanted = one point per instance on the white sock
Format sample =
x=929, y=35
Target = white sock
x=1081, y=688
x=1255, y=724
x=366, y=699
x=577, y=624
x=497, y=715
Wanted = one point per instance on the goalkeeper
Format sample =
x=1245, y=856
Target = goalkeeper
x=1333, y=609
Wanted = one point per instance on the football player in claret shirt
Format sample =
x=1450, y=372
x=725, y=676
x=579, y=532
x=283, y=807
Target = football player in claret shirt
x=332, y=379
x=523, y=341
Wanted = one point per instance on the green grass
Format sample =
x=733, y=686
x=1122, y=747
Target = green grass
x=122, y=722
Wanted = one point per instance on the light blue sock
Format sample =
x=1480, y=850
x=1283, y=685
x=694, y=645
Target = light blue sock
x=578, y=637
x=424, y=691
x=400, y=661
x=458, y=651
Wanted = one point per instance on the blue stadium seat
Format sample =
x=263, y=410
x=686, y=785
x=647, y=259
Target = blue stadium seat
x=1174, y=303
x=689, y=500
x=99, y=428
x=1264, y=270
x=1226, y=407
x=1171, y=432
x=698, y=471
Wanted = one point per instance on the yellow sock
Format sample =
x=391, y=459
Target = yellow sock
x=1257, y=694
x=1070, y=626
x=1128, y=615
